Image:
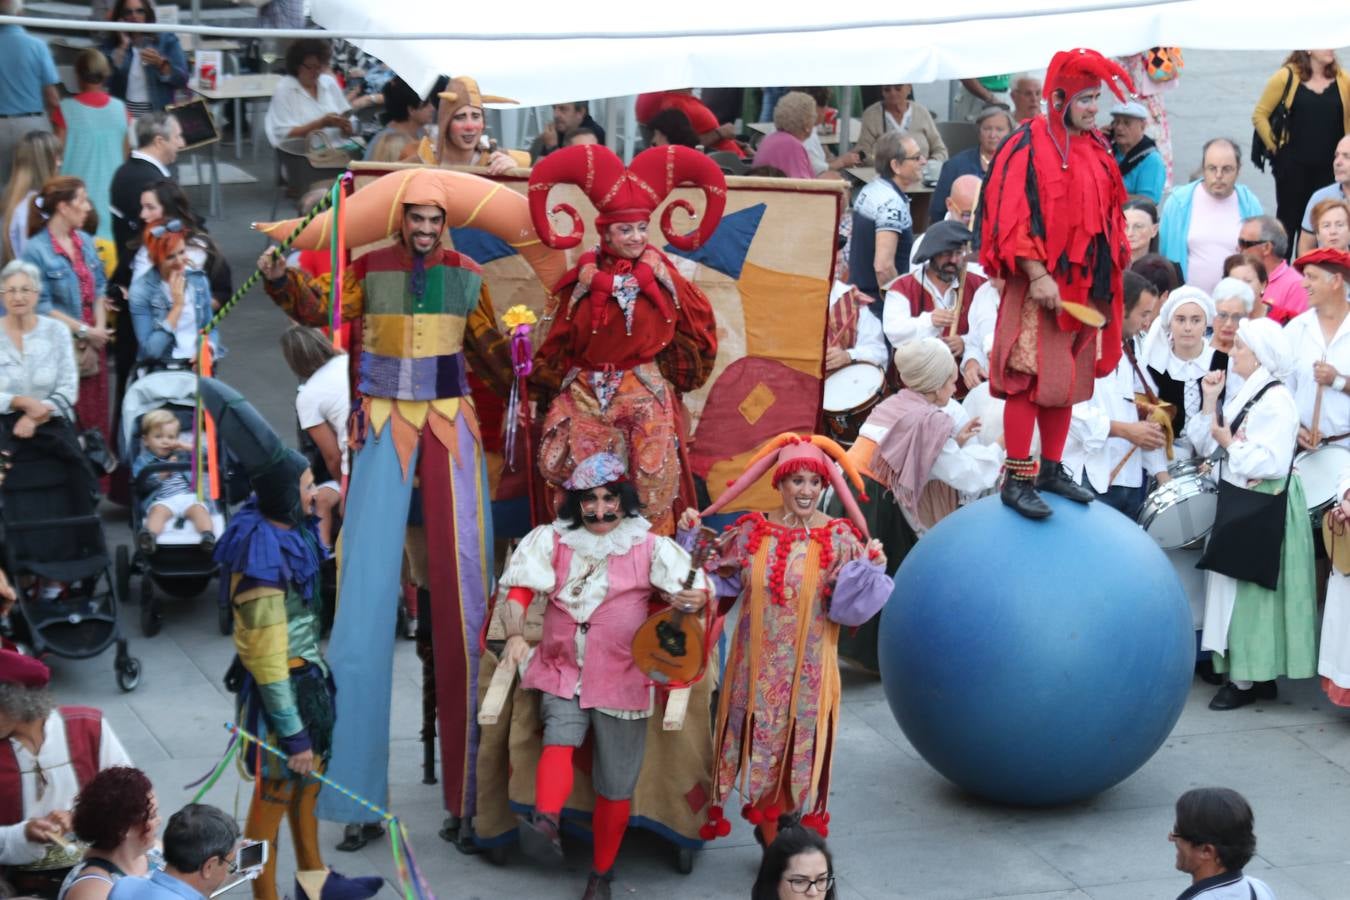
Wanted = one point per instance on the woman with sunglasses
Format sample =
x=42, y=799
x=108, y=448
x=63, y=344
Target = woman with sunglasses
x=171, y=300
x=146, y=68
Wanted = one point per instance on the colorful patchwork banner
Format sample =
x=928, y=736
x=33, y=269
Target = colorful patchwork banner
x=767, y=272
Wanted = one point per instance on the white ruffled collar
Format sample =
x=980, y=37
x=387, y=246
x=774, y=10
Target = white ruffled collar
x=627, y=535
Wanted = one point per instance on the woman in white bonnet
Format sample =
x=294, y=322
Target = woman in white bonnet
x=1257, y=634
x=1178, y=356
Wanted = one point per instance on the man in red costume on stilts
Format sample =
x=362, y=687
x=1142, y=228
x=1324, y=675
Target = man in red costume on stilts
x=1051, y=226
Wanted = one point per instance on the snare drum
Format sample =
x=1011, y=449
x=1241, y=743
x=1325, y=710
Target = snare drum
x=1321, y=471
x=850, y=394
x=1180, y=513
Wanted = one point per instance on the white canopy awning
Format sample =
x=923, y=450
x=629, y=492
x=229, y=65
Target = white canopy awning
x=541, y=52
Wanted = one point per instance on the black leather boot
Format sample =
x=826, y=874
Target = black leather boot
x=1019, y=490
x=1054, y=477
x=597, y=887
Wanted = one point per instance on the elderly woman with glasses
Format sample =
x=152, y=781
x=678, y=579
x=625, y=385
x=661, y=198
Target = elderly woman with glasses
x=38, y=378
x=170, y=302
x=1233, y=302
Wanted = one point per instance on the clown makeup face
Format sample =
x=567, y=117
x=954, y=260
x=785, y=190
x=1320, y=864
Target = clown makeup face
x=1081, y=115
x=466, y=127
x=626, y=240
x=801, y=492
x=601, y=510
x=422, y=228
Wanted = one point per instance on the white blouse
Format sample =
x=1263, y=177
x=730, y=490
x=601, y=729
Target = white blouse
x=292, y=105
x=1266, y=441
x=970, y=469
x=44, y=369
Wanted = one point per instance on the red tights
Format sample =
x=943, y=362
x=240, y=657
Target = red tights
x=1020, y=418
x=553, y=782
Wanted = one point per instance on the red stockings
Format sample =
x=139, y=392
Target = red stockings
x=1020, y=418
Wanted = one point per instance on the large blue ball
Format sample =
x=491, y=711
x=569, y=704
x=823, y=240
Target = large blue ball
x=1036, y=662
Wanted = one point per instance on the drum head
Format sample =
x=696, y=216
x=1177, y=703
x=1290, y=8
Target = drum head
x=1320, y=471
x=1181, y=513
x=850, y=387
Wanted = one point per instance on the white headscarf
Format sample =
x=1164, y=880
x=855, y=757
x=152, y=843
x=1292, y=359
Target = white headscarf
x=1235, y=289
x=1158, y=344
x=924, y=365
x=1274, y=353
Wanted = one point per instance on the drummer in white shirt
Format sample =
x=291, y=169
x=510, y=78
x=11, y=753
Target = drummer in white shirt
x=1320, y=337
x=1175, y=359
x=852, y=333
x=1257, y=634
x=1109, y=450
x=924, y=303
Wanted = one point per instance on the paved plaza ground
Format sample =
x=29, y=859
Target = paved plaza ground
x=899, y=829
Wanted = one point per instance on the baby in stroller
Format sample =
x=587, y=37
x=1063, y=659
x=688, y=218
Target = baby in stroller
x=167, y=493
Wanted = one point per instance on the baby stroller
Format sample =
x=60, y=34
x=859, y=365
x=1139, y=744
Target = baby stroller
x=179, y=566
x=56, y=554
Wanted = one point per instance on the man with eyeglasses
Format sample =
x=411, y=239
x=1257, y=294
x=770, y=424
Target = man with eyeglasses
x=1265, y=237
x=1200, y=221
x=1214, y=839
x=200, y=846
x=28, y=94
x=883, y=229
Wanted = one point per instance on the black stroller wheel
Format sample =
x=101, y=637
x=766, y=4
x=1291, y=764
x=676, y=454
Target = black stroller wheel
x=129, y=673
x=123, y=572
x=684, y=860
x=151, y=620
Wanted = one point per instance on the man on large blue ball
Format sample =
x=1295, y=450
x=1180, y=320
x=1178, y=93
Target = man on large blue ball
x=1051, y=227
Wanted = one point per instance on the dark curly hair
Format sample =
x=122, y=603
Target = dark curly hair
x=114, y=803
x=570, y=511
x=302, y=49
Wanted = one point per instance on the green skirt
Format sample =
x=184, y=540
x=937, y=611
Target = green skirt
x=886, y=523
x=1274, y=633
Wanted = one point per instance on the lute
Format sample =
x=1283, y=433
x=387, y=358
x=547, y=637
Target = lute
x=669, y=648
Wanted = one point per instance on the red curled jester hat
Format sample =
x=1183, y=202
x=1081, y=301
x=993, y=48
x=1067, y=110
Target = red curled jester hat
x=627, y=193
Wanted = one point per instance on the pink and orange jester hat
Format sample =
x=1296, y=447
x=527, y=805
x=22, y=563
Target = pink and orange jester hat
x=788, y=454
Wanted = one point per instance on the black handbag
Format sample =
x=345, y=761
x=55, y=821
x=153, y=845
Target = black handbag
x=1279, y=123
x=1248, y=534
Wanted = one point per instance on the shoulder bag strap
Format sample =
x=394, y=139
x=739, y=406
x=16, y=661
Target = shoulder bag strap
x=1242, y=415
